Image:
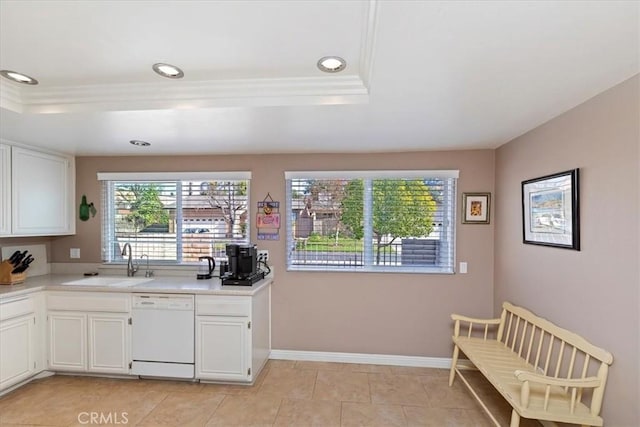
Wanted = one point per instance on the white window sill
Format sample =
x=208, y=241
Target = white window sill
x=402, y=270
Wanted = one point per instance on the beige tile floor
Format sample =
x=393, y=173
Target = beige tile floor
x=287, y=393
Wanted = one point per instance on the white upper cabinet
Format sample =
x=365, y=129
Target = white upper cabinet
x=42, y=193
x=5, y=190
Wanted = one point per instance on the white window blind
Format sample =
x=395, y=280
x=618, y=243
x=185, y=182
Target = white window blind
x=173, y=220
x=371, y=220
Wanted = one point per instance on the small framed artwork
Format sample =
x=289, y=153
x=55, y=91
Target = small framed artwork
x=550, y=210
x=476, y=208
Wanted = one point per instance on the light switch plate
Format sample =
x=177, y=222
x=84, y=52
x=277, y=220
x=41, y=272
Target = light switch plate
x=463, y=268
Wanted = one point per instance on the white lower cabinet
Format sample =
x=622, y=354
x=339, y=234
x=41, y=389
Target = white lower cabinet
x=91, y=332
x=19, y=345
x=17, y=358
x=233, y=336
x=67, y=341
x=222, y=348
x=89, y=341
x=108, y=342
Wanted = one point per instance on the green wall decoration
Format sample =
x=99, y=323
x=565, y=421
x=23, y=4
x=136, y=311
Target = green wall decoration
x=86, y=208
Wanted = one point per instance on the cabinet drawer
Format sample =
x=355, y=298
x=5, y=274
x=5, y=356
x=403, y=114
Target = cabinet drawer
x=16, y=307
x=89, y=301
x=223, y=306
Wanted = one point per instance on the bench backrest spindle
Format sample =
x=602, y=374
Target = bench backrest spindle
x=506, y=338
x=585, y=366
x=539, y=351
x=515, y=334
x=533, y=333
x=522, y=337
x=546, y=363
x=571, y=365
x=503, y=317
x=559, y=362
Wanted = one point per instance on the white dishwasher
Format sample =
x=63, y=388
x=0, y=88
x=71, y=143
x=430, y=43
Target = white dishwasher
x=162, y=335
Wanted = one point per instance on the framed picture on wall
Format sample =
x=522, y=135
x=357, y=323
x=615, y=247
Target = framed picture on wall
x=550, y=210
x=476, y=208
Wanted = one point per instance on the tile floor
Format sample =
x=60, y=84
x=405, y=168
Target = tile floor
x=287, y=393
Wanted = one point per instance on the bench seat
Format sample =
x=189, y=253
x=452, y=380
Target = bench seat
x=544, y=372
x=498, y=364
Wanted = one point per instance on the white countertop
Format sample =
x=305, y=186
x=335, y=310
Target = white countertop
x=182, y=285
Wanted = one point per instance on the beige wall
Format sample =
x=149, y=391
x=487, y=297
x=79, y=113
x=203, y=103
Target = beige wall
x=595, y=291
x=403, y=314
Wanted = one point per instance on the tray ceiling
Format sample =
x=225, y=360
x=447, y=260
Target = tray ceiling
x=420, y=75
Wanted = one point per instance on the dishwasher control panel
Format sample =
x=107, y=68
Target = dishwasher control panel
x=163, y=301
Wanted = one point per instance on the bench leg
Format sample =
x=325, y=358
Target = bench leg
x=454, y=362
x=515, y=419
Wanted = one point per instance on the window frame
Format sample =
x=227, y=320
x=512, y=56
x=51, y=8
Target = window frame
x=108, y=215
x=449, y=219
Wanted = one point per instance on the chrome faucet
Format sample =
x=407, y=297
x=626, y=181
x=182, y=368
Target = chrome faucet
x=131, y=269
x=147, y=273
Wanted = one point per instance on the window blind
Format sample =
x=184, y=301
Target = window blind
x=173, y=220
x=371, y=220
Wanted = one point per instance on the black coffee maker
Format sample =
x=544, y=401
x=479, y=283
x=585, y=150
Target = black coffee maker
x=243, y=265
x=243, y=260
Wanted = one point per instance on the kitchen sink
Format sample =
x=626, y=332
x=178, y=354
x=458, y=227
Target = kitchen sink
x=112, y=282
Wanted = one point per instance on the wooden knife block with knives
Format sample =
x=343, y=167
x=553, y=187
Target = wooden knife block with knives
x=13, y=270
x=9, y=278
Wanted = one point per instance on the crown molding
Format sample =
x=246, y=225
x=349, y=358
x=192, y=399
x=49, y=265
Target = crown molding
x=10, y=98
x=368, y=42
x=185, y=95
x=322, y=90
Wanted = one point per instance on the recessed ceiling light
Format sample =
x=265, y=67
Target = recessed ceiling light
x=18, y=77
x=331, y=64
x=168, y=70
x=139, y=143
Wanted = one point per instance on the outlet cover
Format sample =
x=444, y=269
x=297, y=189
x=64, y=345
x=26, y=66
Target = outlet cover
x=263, y=255
x=74, y=253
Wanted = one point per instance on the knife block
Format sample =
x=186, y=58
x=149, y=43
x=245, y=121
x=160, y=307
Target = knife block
x=8, y=278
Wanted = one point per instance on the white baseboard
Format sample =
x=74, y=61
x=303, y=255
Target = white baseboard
x=372, y=359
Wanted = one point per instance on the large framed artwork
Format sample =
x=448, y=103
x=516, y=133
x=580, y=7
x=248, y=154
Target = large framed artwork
x=550, y=210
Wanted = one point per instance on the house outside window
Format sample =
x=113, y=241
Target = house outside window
x=384, y=221
x=174, y=218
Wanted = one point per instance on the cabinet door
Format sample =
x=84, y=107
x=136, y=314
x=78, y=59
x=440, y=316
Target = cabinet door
x=67, y=341
x=109, y=343
x=17, y=350
x=5, y=189
x=222, y=348
x=42, y=193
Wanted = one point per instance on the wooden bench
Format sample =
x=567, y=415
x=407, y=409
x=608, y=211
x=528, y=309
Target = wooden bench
x=543, y=371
